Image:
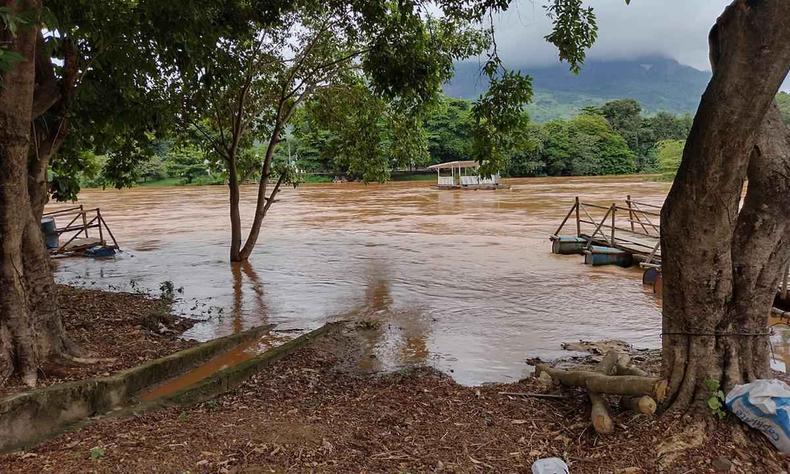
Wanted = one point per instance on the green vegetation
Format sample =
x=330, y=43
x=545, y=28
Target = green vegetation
x=346, y=131
x=715, y=399
x=669, y=154
x=783, y=99
x=659, y=84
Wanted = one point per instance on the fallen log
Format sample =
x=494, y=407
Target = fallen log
x=599, y=414
x=622, y=369
x=644, y=404
x=631, y=385
x=608, y=365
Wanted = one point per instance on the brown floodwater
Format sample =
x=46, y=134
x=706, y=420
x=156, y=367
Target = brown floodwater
x=461, y=280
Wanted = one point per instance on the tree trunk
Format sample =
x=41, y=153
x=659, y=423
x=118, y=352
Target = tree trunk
x=235, y=216
x=721, y=265
x=30, y=325
x=263, y=202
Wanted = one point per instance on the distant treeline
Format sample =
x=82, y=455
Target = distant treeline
x=359, y=137
x=614, y=138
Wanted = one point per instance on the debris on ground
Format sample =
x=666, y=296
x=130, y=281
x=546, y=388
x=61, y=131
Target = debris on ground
x=597, y=347
x=117, y=330
x=313, y=411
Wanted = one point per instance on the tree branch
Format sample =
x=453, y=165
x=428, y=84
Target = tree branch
x=46, y=94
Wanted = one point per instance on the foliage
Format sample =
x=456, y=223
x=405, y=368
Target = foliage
x=585, y=145
x=642, y=133
x=349, y=129
x=715, y=400
x=448, y=127
x=529, y=158
x=624, y=115
x=167, y=290
x=154, y=168
x=783, y=100
x=150, y=69
x=659, y=84
x=96, y=453
x=498, y=115
x=669, y=154
x=186, y=162
x=574, y=30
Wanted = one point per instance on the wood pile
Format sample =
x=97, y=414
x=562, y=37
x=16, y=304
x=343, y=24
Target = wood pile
x=638, y=391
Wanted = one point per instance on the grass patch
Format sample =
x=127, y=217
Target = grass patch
x=199, y=181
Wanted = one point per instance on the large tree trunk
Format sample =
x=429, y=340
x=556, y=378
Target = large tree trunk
x=720, y=264
x=30, y=326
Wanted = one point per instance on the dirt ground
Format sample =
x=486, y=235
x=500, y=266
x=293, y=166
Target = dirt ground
x=314, y=412
x=122, y=330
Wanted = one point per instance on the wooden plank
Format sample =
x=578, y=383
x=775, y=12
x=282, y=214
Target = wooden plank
x=82, y=244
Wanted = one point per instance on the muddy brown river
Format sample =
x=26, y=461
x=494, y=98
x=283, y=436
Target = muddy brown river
x=461, y=280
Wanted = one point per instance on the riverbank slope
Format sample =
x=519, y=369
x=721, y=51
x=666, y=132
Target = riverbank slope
x=317, y=411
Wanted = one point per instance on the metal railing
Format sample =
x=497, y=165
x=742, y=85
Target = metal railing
x=634, y=226
x=81, y=223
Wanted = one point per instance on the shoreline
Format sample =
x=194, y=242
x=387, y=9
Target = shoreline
x=122, y=330
x=314, y=410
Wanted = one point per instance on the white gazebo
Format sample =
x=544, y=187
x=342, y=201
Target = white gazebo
x=461, y=178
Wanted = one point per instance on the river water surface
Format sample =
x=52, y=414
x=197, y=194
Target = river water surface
x=462, y=280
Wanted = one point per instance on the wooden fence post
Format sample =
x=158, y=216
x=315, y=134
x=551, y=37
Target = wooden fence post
x=614, y=208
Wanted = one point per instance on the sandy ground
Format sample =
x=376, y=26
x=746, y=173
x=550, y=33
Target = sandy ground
x=314, y=412
x=122, y=330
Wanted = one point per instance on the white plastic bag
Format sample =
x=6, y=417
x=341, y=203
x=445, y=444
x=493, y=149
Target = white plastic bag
x=764, y=405
x=549, y=466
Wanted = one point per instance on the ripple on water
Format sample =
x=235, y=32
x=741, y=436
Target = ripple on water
x=457, y=279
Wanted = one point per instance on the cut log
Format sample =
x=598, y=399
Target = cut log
x=608, y=364
x=624, y=369
x=631, y=385
x=644, y=405
x=599, y=414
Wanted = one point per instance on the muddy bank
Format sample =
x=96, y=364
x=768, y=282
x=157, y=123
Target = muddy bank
x=122, y=330
x=316, y=411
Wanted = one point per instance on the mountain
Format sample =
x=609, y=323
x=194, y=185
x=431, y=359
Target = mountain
x=659, y=84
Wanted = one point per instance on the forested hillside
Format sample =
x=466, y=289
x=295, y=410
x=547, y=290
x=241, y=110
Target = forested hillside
x=659, y=84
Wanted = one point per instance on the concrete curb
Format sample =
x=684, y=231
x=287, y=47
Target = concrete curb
x=227, y=379
x=29, y=417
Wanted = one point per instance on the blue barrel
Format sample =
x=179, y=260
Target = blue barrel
x=49, y=229
x=598, y=255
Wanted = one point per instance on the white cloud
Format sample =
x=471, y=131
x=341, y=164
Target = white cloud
x=677, y=29
x=672, y=28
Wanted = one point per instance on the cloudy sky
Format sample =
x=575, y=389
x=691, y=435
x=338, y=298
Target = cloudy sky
x=673, y=28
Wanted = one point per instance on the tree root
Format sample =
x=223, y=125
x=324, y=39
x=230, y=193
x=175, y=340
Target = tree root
x=693, y=436
x=87, y=360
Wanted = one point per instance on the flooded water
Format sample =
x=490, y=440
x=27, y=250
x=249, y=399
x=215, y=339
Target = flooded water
x=462, y=280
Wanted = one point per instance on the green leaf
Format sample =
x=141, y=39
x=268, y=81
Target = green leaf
x=714, y=403
x=97, y=452
x=8, y=59
x=712, y=385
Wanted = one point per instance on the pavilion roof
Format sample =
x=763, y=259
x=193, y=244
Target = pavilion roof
x=455, y=164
